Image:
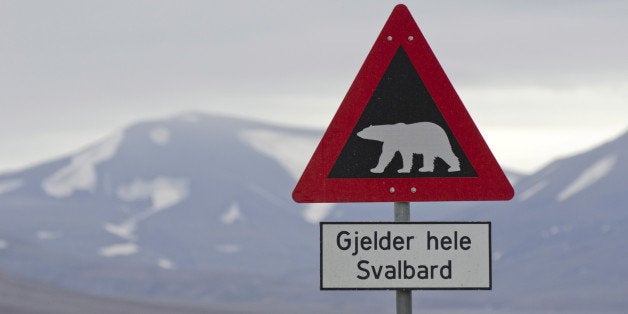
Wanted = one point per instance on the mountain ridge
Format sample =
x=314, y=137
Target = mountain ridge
x=197, y=208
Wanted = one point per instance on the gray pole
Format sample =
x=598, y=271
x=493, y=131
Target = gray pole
x=404, y=296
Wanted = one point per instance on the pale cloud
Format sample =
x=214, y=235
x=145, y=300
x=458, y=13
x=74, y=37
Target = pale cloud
x=95, y=66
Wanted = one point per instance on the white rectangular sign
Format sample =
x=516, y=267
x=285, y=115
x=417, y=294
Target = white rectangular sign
x=408, y=255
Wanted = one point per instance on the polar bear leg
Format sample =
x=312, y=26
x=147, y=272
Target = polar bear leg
x=428, y=163
x=387, y=155
x=407, y=162
x=452, y=161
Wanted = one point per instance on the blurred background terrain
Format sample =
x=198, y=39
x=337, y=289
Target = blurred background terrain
x=149, y=149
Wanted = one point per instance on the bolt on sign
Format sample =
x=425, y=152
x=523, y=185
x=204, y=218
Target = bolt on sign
x=401, y=134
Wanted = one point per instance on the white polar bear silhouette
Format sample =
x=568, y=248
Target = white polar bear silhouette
x=424, y=138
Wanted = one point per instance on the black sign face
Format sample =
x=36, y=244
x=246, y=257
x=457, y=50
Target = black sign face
x=401, y=133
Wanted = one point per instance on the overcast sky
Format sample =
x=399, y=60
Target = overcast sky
x=541, y=79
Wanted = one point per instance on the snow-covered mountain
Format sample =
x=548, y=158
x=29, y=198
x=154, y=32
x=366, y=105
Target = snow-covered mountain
x=157, y=206
x=560, y=243
x=197, y=208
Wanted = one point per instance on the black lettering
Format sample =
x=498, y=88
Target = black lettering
x=366, y=272
x=377, y=273
x=375, y=240
x=347, y=242
x=355, y=243
x=445, y=271
x=422, y=272
x=429, y=239
x=407, y=268
x=384, y=242
x=465, y=243
x=390, y=272
x=366, y=243
x=398, y=243
x=408, y=242
x=432, y=269
x=445, y=243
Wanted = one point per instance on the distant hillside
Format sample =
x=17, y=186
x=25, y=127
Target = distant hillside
x=197, y=209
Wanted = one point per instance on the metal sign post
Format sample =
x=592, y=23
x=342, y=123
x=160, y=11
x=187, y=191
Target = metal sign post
x=404, y=296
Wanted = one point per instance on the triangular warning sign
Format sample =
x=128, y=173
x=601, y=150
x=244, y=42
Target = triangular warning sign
x=402, y=133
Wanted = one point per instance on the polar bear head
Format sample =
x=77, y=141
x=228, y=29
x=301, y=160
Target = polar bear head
x=372, y=132
x=379, y=132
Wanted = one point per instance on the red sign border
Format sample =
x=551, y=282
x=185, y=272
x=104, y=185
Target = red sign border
x=490, y=183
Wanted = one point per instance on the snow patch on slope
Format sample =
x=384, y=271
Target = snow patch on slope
x=531, y=191
x=81, y=174
x=122, y=249
x=588, y=177
x=47, y=235
x=163, y=192
x=160, y=136
x=165, y=263
x=292, y=152
x=123, y=230
x=231, y=215
x=10, y=185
